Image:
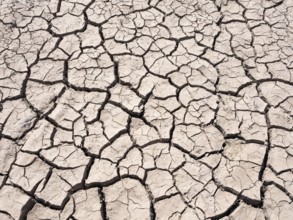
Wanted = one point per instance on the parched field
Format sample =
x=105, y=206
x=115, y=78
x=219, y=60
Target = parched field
x=146, y=109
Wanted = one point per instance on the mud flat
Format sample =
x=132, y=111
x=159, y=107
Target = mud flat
x=135, y=110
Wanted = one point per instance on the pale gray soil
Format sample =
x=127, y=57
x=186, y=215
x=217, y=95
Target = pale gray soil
x=146, y=109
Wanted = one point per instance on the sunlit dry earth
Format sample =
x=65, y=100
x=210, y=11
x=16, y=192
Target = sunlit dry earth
x=135, y=110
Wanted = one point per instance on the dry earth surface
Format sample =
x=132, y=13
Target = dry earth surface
x=136, y=109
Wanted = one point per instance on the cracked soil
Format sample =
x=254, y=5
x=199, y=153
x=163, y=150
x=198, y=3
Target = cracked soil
x=146, y=109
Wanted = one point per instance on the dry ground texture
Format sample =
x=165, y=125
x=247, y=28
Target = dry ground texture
x=146, y=109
